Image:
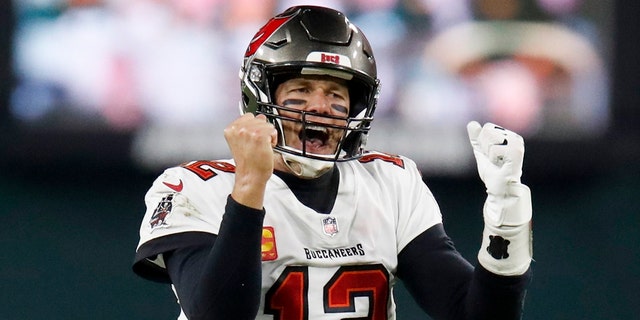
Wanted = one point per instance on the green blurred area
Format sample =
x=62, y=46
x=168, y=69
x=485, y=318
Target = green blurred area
x=68, y=242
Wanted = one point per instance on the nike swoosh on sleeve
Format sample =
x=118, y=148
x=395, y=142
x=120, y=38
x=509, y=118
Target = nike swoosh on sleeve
x=174, y=187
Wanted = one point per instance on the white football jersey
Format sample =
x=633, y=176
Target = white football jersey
x=314, y=265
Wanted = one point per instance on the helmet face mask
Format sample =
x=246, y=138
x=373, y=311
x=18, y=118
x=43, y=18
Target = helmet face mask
x=310, y=127
x=311, y=41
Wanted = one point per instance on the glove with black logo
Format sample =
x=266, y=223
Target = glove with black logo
x=506, y=242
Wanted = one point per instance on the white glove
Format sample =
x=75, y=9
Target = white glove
x=506, y=244
x=499, y=154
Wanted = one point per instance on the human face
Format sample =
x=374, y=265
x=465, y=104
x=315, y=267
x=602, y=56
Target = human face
x=323, y=96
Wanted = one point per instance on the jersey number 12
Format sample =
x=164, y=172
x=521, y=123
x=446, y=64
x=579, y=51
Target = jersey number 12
x=288, y=300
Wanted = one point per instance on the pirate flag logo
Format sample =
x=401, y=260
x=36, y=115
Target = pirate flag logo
x=498, y=247
x=162, y=211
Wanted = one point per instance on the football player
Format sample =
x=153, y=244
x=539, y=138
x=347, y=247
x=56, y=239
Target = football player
x=304, y=223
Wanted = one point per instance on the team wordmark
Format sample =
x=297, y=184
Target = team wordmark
x=356, y=250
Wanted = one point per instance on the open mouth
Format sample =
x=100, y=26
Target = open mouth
x=314, y=137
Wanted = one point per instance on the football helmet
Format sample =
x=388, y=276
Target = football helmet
x=311, y=40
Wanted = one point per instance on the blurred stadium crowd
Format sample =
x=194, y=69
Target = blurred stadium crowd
x=167, y=69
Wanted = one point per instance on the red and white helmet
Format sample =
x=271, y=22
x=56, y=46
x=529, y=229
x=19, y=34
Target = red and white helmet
x=311, y=40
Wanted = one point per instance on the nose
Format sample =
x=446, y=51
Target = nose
x=319, y=102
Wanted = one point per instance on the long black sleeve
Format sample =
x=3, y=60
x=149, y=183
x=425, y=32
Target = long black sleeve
x=447, y=286
x=221, y=280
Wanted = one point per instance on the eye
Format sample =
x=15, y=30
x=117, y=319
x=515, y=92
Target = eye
x=336, y=95
x=339, y=94
x=300, y=90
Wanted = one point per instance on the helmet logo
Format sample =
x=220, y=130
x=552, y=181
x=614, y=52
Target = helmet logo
x=327, y=57
x=330, y=58
x=265, y=32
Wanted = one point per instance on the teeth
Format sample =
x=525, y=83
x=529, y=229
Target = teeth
x=315, y=133
x=317, y=128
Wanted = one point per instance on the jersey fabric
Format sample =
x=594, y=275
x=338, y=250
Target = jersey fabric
x=334, y=265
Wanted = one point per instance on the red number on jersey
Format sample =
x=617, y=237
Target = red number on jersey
x=204, y=169
x=287, y=298
x=358, y=281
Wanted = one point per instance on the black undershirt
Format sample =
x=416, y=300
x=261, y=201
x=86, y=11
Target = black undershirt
x=318, y=194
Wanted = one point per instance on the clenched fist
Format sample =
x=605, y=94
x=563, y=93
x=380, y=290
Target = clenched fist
x=251, y=140
x=499, y=154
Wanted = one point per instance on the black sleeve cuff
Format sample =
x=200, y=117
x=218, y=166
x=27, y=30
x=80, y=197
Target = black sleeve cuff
x=247, y=214
x=506, y=283
x=150, y=250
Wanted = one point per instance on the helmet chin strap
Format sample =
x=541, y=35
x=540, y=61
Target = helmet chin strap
x=305, y=167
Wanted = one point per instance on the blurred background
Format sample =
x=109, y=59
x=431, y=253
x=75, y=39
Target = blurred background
x=97, y=97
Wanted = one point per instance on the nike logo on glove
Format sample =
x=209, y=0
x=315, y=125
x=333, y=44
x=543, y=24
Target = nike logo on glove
x=174, y=187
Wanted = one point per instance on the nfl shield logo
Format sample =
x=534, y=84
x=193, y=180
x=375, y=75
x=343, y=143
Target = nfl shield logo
x=330, y=226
